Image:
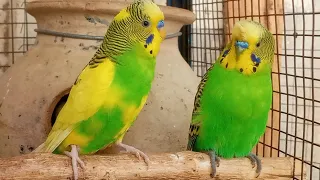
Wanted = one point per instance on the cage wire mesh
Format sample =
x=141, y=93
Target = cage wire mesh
x=295, y=115
x=16, y=32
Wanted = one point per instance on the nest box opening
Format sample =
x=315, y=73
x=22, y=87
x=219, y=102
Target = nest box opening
x=57, y=105
x=57, y=108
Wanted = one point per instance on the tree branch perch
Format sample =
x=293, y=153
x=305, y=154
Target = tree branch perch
x=181, y=165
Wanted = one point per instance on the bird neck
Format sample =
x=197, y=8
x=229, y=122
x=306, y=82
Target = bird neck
x=136, y=61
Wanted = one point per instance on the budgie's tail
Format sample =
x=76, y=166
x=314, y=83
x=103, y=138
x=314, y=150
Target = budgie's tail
x=41, y=148
x=53, y=140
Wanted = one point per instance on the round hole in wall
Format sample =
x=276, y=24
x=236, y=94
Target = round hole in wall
x=56, y=105
x=58, y=108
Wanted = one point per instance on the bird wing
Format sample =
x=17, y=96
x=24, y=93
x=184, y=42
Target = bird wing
x=85, y=99
x=196, y=118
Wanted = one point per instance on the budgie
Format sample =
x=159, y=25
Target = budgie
x=234, y=97
x=112, y=89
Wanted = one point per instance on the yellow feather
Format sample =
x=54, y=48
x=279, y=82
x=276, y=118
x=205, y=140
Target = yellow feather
x=122, y=15
x=91, y=86
x=131, y=111
x=74, y=138
x=253, y=33
x=116, y=98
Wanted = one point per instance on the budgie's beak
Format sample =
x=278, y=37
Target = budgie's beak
x=161, y=29
x=241, y=46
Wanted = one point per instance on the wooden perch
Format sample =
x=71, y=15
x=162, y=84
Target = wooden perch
x=181, y=165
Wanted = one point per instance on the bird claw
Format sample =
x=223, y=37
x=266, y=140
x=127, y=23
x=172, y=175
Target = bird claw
x=255, y=161
x=215, y=162
x=74, y=155
x=139, y=154
x=79, y=161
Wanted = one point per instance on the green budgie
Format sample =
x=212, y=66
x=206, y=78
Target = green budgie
x=234, y=97
x=112, y=89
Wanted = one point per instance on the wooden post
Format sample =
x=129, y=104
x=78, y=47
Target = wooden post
x=182, y=165
x=264, y=12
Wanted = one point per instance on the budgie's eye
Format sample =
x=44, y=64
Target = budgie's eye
x=145, y=23
x=258, y=44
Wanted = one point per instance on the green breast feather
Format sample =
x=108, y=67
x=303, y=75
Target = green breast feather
x=230, y=113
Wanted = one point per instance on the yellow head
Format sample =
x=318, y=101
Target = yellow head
x=251, y=49
x=141, y=23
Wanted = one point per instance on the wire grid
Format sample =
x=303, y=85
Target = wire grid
x=299, y=68
x=16, y=32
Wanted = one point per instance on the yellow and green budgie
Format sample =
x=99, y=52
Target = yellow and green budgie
x=234, y=97
x=112, y=89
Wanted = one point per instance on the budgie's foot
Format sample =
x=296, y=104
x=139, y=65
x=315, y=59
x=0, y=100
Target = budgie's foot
x=215, y=162
x=135, y=151
x=74, y=155
x=255, y=160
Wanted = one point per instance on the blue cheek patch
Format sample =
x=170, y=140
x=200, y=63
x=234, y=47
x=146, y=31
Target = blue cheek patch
x=160, y=24
x=149, y=39
x=255, y=59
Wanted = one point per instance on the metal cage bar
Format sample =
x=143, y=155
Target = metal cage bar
x=16, y=35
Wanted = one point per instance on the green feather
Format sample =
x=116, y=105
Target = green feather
x=135, y=77
x=235, y=95
x=234, y=112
